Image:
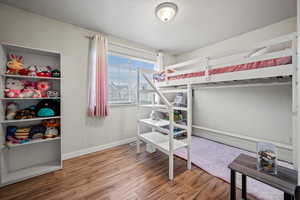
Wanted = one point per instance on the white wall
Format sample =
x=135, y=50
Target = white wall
x=259, y=112
x=79, y=131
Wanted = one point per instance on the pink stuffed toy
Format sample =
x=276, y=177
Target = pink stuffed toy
x=43, y=87
x=29, y=91
x=13, y=88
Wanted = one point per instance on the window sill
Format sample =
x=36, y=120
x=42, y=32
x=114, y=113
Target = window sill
x=122, y=105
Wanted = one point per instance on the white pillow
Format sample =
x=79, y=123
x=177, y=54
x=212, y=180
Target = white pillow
x=258, y=52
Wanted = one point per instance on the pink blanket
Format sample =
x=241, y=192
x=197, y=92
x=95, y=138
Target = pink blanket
x=242, y=67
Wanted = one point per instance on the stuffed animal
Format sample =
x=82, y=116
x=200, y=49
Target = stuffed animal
x=27, y=113
x=32, y=70
x=48, y=108
x=13, y=88
x=43, y=87
x=37, y=132
x=52, y=94
x=11, y=110
x=10, y=135
x=29, y=91
x=55, y=73
x=22, y=133
x=51, y=123
x=51, y=132
x=15, y=64
x=23, y=72
x=43, y=71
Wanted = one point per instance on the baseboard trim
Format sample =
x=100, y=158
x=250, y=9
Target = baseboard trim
x=97, y=148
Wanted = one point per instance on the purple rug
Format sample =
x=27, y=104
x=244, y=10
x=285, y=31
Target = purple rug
x=214, y=158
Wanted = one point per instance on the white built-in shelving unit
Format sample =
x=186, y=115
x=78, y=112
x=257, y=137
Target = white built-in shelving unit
x=159, y=137
x=22, y=161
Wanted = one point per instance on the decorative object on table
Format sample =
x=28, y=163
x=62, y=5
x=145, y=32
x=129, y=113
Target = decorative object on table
x=11, y=110
x=22, y=133
x=27, y=113
x=37, y=132
x=52, y=94
x=48, y=108
x=266, y=157
x=13, y=88
x=43, y=87
x=55, y=73
x=32, y=70
x=15, y=64
x=51, y=132
x=154, y=116
x=180, y=99
x=43, y=71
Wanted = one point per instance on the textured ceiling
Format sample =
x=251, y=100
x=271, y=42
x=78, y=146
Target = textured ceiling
x=198, y=22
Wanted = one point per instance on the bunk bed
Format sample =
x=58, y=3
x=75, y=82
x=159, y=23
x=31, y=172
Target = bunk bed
x=270, y=62
x=275, y=58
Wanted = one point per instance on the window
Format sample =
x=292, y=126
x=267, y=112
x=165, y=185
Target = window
x=123, y=78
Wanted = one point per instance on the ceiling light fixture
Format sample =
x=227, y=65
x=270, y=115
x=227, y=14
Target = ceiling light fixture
x=166, y=11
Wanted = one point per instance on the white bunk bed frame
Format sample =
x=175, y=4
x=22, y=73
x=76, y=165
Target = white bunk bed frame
x=252, y=77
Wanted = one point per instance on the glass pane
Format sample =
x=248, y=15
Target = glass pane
x=122, y=78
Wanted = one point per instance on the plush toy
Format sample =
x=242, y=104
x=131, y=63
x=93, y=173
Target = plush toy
x=22, y=133
x=27, y=113
x=32, y=70
x=55, y=73
x=52, y=94
x=51, y=123
x=13, y=88
x=15, y=64
x=10, y=135
x=23, y=72
x=43, y=87
x=51, y=132
x=37, y=132
x=43, y=71
x=48, y=108
x=11, y=110
x=29, y=91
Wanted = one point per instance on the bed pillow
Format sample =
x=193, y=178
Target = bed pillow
x=258, y=52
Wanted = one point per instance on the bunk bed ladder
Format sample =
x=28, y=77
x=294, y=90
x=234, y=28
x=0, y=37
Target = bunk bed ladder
x=172, y=143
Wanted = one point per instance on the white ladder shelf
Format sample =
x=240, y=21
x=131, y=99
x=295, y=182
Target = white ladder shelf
x=161, y=138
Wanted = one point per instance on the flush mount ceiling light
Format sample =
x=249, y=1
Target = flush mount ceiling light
x=166, y=11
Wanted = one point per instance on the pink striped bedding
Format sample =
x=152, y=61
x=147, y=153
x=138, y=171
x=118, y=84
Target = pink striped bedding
x=234, y=68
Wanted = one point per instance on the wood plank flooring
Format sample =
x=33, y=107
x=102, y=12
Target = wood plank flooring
x=120, y=174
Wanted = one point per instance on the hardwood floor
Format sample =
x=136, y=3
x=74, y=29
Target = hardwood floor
x=120, y=174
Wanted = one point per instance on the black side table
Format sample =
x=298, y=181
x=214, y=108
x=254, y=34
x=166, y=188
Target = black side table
x=285, y=179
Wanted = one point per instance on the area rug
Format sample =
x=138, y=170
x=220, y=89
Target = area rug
x=214, y=158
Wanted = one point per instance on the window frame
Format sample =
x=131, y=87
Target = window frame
x=120, y=104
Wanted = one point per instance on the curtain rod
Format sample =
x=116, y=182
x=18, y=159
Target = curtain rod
x=127, y=47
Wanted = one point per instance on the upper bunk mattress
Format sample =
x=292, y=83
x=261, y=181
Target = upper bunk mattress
x=234, y=68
